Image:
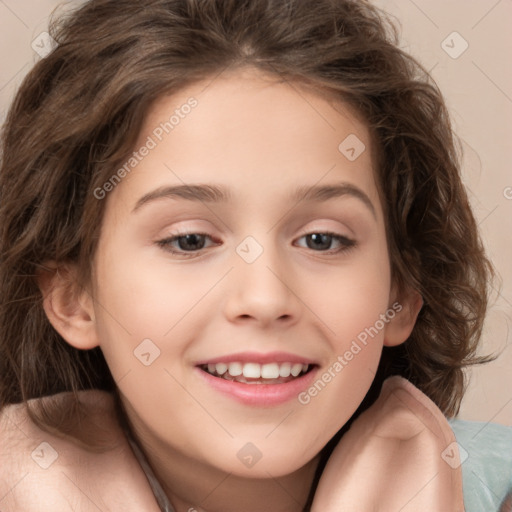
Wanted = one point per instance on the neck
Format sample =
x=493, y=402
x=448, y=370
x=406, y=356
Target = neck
x=192, y=486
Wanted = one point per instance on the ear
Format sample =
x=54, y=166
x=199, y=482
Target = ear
x=401, y=324
x=68, y=306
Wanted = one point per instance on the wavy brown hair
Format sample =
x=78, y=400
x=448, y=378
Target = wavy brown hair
x=77, y=115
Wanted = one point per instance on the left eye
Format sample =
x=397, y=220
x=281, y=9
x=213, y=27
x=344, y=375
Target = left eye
x=323, y=241
x=190, y=243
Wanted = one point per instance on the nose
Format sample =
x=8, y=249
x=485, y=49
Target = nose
x=262, y=291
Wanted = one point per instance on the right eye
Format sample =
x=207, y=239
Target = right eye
x=183, y=243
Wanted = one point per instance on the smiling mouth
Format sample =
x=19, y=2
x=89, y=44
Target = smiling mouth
x=255, y=373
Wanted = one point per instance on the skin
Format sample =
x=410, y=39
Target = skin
x=37, y=478
x=260, y=138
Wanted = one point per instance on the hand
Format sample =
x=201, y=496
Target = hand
x=390, y=459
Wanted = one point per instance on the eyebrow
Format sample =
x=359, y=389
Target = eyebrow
x=209, y=193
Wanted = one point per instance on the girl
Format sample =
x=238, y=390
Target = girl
x=225, y=227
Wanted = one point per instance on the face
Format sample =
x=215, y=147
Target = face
x=250, y=239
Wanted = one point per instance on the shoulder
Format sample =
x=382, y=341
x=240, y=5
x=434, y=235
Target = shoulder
x=93, y=423
x=43, y=471
x=486, y=455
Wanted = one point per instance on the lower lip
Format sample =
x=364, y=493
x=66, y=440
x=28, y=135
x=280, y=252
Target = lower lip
x=260, y=394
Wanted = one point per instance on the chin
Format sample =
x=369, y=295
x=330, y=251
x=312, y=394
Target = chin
x=251, y=462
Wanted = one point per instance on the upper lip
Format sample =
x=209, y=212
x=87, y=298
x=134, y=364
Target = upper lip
x=258, y=357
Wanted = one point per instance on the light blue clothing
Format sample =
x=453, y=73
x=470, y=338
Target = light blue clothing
x=487, y=470
x=485, y=451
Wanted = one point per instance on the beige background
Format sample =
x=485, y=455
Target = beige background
x=478, y=87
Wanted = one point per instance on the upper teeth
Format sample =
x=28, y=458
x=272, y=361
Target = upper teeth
x=256, y=371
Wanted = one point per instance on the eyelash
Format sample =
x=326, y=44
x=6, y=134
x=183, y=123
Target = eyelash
x=165, y=244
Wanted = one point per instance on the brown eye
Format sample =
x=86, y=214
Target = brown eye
x=323, y=242
x=183, y=243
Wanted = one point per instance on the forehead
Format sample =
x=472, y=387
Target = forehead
x=254, y=131
x=247, y=97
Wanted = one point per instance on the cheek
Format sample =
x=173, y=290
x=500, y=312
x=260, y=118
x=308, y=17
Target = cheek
x=137, y=302
x=352, y=298
x=353, y=309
